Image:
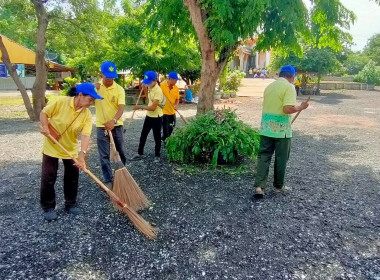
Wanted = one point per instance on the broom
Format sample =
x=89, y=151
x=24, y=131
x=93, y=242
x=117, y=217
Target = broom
x=138, y=221
x=296, y=116
x=182, y=117
x=124, y=186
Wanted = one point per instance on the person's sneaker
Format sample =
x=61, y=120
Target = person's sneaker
x=259, y=193
x=137, y=157
x=285, y=190
x=50, y=215
x=72, y=209
x=157, y=160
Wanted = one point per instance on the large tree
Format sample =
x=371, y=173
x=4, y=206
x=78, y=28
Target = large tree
x=328, y=20
x=221, y=25
x=372, y=49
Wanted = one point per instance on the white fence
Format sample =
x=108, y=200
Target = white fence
x=8, y=83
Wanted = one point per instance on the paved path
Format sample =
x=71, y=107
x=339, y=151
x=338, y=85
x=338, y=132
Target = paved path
x=253, y=87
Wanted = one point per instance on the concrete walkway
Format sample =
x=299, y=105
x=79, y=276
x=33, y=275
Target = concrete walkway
x=251, y=87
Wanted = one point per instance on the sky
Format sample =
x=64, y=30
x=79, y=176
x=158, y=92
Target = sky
x=367, y=21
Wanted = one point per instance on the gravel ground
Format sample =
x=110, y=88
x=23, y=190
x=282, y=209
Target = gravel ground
x=327, y=228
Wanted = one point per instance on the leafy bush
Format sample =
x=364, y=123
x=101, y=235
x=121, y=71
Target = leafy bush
x=370, y=74
x=215, y=134
x=68, y=83
x=230, y=81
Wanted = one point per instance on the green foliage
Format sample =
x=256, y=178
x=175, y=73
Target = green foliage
x=354, y=63
x=68, y=83
x=329, y=20
x=370, y=74
x=316, y=60
x=230, y=81
x=372, y=49
x=136, y=46
x=209, y=136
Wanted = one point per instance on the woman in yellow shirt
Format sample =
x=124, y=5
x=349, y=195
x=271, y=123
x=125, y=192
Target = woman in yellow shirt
x=69, y=116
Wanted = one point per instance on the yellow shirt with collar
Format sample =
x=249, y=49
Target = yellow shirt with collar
x=172, y=95
x=61, y=113
x=113, y=97
x=155, y=93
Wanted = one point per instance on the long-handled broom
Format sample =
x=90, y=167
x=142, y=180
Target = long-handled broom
x=138, y=221
x=171, y=104
x=124, y=186
x=296, y=116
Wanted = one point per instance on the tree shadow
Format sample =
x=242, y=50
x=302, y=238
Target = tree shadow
x=333, y=98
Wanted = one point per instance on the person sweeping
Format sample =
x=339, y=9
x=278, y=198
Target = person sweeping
x=171, y=92
x=108, y=118
x=276, y=132
x=64, y=118
x=153, y=119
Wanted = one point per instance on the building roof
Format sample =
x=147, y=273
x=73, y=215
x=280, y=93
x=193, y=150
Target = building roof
x=19, y=54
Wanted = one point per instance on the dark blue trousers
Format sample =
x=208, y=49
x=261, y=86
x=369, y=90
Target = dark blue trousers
x=103, y=142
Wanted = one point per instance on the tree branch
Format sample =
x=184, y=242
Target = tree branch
x=12, y=72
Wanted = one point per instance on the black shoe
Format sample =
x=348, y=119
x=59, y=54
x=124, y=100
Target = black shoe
x=259, y=193
x=72, y=209
x=50, y=215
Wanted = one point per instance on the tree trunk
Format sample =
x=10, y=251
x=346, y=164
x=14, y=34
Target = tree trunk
x=39, y=86
x=211, y=66
x=16, y=79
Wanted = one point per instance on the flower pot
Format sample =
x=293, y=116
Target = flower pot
x=217, y=96
x=232, y=94
x=225, y=95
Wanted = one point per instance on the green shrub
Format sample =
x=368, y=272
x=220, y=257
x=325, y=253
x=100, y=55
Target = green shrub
x=215, y=134
x=230, y=81
x=370, y=74
x=68, y=83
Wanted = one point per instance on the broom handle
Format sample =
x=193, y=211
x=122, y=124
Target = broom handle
x=108, y=131
x=137, y=102
x=296, y=116
x=93, y=177
x=182, y=117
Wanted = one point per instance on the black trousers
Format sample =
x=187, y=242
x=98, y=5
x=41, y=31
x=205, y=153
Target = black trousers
x=168, y=124
x=48, y=178
x=155, y=125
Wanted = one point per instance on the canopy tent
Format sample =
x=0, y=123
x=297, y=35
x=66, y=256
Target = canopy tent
x=19, y=54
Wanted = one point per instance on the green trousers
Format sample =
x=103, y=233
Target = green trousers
x=268, y=146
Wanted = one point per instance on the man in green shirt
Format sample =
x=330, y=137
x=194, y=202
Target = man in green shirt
x=276, y=132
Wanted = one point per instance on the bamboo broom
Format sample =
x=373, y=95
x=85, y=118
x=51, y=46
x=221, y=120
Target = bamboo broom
x=296, y=116
x=182, y=117
x=124, y=186
x=142, y=225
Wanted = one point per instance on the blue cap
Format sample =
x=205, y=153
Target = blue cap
x=87, y=89
x=108, y=69
x=289, y=69
x=173, y=75
x=149, y=76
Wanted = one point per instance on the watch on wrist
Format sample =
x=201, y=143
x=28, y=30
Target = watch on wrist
x=84, y=152
x=114, y=121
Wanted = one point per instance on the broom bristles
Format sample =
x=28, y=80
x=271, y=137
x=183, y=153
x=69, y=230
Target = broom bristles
x=139, y=222
x=126, y=188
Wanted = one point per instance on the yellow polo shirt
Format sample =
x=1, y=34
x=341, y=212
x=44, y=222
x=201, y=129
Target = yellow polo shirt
x=61, y=112
x=171, y=97
x=155, y=93
x=113, y=97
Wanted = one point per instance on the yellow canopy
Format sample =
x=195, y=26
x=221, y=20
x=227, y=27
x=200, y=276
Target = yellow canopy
x=19, y=54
